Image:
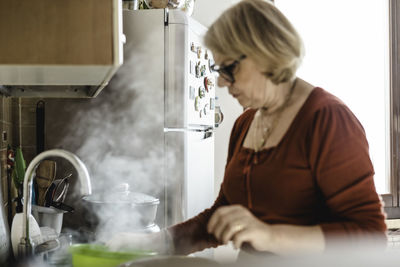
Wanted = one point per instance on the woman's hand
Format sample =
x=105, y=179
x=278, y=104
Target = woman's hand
x=237, y=224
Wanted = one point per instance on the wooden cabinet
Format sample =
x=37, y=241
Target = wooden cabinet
x=58, y=42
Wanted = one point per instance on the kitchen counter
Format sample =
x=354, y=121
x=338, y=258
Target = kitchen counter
x=344, y=257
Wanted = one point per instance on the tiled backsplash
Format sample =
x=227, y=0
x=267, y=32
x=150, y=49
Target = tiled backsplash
x=17, y=128
x=7, y=133
x=25, y=109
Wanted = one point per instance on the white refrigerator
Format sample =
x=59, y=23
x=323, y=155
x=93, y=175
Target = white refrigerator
x=172, y=68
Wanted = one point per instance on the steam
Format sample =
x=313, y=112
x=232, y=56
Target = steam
x=118, y=135
x=115, y=133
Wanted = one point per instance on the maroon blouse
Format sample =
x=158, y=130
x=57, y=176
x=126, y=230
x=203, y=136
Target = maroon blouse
x=319, y=173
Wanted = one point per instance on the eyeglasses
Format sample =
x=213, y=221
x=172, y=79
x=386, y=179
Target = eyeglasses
x=226, y=71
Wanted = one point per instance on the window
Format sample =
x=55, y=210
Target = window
x=348, y=53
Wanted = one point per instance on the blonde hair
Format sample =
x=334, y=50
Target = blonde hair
x=257, y=29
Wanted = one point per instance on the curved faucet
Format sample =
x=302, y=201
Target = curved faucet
x=25, y=247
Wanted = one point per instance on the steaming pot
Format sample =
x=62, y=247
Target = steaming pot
x=128, y=211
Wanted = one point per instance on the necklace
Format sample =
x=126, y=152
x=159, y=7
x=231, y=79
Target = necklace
x=265, y=124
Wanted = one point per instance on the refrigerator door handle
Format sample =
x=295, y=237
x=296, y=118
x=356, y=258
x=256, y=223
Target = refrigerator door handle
x=205, y=132
x=189, y=129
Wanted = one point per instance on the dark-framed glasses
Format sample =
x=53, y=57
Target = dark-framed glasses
x=227, y=71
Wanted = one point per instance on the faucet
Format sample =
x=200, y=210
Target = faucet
x=25, y=247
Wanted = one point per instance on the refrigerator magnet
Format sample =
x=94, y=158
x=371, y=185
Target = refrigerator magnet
x=202, y=92
x=192, y=67
x=197, y=69
x=203, y=70
x=192, y=91
x=205, y=109
x=206, y=83
x=199, y=52
x=197, y=103
x=212, y=103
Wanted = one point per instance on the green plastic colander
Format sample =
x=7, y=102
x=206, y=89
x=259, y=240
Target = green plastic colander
x=91, y=255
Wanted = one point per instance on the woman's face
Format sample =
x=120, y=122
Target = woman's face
x=250, y=87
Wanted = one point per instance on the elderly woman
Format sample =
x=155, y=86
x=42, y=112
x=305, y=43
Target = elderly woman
x=298, y=172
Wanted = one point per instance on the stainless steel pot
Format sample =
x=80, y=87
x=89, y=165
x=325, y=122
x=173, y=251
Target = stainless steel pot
x=138, y=209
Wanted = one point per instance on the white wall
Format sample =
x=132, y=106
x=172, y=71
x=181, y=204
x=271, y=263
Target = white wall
x=206, y=11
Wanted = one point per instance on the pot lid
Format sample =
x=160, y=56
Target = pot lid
x=120, y=194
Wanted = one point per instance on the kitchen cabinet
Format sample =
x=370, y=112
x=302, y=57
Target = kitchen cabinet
x=59, y=48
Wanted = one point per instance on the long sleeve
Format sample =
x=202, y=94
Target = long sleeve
x=192, y=235
x=340, y=163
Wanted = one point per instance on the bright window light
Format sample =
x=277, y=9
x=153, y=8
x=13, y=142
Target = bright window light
x=347, y=54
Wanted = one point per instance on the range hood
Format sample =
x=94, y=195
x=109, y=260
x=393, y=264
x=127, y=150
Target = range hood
x=58, y=48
